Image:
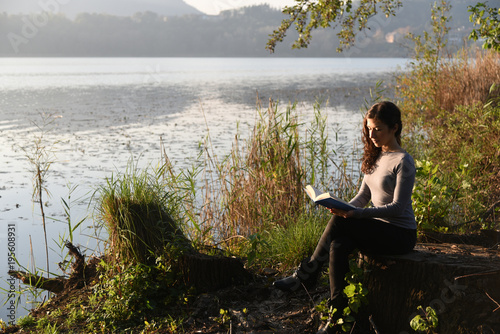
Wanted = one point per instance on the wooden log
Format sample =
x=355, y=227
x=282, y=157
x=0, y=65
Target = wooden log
x=460, y=282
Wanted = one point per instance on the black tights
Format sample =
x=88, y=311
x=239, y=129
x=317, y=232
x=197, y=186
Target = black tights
x=342, y=235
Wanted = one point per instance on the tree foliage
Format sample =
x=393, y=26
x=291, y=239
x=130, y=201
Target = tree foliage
x=488, y=20
x=308, y=16
x=352, y=17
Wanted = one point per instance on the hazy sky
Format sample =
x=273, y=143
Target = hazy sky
x=213, y=7
x=119, y=7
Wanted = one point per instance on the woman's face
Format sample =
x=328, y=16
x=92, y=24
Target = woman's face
x=380, y=133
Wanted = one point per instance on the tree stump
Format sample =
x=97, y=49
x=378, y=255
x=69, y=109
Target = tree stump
x=208, y=273
x=460, y=282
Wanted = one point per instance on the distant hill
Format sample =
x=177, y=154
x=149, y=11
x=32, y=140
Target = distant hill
x=120, y=8
x=235, y=33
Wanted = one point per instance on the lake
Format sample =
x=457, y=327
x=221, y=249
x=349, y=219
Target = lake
x=103, y=112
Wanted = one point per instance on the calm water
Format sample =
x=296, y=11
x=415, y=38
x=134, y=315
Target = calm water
x=106, y=111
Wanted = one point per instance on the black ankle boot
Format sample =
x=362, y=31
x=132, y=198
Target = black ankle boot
x=307, y=273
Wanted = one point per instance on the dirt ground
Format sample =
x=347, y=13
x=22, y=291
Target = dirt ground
x=255, y=307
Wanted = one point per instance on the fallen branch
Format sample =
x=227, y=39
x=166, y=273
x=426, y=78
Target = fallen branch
x=491, y=210
x=478, y=274
x=493, y=300
x=484, y=216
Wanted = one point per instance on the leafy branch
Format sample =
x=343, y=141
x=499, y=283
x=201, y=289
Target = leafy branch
x=488, y=20
x=310, y=15
x=426, y=322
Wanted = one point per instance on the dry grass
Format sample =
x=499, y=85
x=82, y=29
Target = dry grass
x=466, y=80
x=454, y=111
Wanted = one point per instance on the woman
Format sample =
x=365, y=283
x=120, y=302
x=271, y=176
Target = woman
x=387, y=227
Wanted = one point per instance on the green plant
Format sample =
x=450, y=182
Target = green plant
x=44, y=326
x=150, y=327
x=432, y=200
x=30, y=293
x=256, y=242
x=75, y=316
x=426, y=322
x=355, y=292
x=356, y=296
x=26, y=321
x=470, y=165
x=266, y=183
x=139, y=292
x=224, y=317
x=458, y=180
x=258, y=186
x=67, y=205
x=174, y=325
x=446, y=101
x=71, y=226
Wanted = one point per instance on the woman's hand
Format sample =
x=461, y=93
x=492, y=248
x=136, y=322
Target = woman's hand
x=342, y=213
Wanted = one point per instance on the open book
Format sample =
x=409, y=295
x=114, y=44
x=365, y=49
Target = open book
x=327, y=199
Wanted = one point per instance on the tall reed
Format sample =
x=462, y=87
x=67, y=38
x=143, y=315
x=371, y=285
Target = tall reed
x=260, y=184
x=267, y=180
x=41, y=155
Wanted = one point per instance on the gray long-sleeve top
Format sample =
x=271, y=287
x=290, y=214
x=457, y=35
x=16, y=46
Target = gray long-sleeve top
x=389, y=187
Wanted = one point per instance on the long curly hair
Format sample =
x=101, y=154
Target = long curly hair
x=388, y=113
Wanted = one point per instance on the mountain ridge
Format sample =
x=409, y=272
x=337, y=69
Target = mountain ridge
x=126, y=7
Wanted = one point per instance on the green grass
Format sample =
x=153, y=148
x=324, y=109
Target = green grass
x=284, y=247
x=134, y=209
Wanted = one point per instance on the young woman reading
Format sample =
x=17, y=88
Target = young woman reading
x=386, y=227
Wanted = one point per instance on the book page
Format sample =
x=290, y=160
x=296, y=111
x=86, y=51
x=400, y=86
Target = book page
x=312, y=192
